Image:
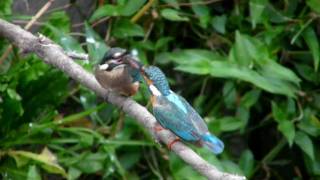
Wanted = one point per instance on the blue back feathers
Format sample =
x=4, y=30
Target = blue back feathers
x=175, y=113
x=159, y=79
x=176, y=100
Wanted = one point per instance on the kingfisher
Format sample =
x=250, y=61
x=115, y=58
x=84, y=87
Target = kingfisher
x=116, y=76
x=173, y=112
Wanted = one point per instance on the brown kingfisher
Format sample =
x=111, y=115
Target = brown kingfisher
x=116, y=76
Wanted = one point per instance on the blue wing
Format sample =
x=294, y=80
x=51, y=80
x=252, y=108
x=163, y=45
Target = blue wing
x=194, y=117
x=170, y=116
x=210, y=141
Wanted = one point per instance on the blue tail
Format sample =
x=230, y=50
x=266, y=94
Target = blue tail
x=211, y=142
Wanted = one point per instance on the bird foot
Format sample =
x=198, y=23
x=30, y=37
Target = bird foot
x=157, y=127
x=173, y=142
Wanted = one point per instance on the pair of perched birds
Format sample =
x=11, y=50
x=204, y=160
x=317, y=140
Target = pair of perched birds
x=120, y=71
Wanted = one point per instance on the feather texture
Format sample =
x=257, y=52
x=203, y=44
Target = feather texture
x=173, y=112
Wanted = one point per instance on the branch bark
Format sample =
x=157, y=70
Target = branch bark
x=54, y=55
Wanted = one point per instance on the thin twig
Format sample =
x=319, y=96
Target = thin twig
x=140, y=13
x=39, y=14
x=100, y=21
x=27, y=27
x=54, y=55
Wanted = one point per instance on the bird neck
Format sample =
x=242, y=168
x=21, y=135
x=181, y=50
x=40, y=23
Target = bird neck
x=158, y=89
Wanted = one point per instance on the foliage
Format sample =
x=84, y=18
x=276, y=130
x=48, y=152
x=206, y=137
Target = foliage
x=251, y=68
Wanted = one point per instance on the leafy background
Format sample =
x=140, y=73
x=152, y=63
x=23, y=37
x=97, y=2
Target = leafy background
x=249, y=67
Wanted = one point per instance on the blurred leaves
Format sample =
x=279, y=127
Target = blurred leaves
x=248, y=60
x=173, y=15
x=126, y=9
x=305, y=143
x=125, y=29
x=96, y=46
x=311, y=39
x=47, y=160
x=5, y=8
x=256, y=10
x=314, y=5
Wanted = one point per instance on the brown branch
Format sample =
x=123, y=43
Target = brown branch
x=54, y=55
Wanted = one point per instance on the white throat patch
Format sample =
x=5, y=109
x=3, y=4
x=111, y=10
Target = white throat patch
x=103, y=66
x=154, y=90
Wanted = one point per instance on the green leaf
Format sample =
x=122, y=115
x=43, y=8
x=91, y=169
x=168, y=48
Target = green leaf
x=250, y=98
x=274, y=15
x=173, y=3
x=106, y=10
x=243, y=114
x=219, y=23
x=73, y=173
x=241, y=50
x=162, y=42
x=229, y=94
x=91, y=162
x=173, y=15
x=127, y=9
x=202, y=12
x=66, y=41
x=278, y=113
x=256, y=9
x=312, y=41
x=202, y=62
x=305, y=144
x=132, y=7
x=246, y=163
x=230, y=124
x=33, y=173
x=314, y=5
x=13, y=94
x=231, y=70
x=288, y=130
x=124, y=29
x=47, y=160
x=96, y=45
x=180, y=170
x=59, y=20
x=307, y=72
x=231, y=167
x=5, y=7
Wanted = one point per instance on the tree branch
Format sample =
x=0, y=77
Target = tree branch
x=54, y=55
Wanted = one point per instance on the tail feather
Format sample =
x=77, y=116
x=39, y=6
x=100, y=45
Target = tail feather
x=213, y=143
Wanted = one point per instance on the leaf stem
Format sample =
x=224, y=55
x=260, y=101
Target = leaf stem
x=145, y=8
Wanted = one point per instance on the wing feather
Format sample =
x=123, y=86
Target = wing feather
x=195, y=118
x=171, y=117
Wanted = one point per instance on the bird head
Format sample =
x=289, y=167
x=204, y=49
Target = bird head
x=157, y=81
x=113, y=58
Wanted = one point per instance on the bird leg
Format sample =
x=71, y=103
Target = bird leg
x=157, y=127
x=173, y=142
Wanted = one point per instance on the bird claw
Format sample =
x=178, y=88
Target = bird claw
x=158, y=128
x=173, y=142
